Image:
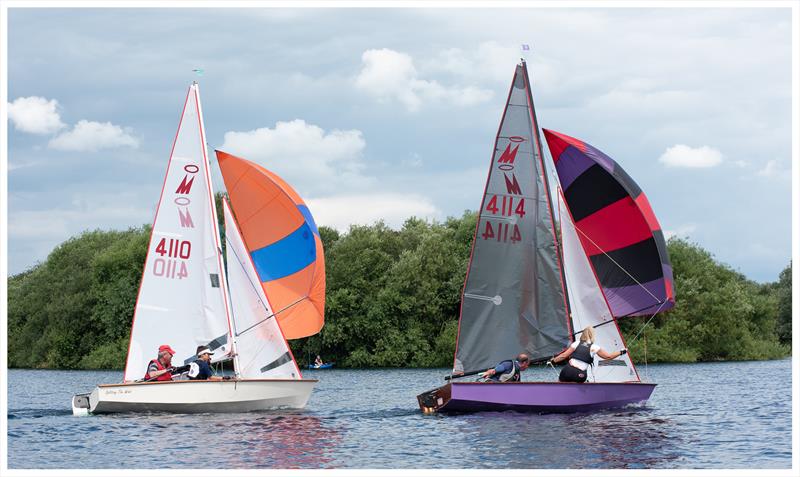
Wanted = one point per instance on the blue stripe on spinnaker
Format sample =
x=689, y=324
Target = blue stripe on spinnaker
x=309, y=218
x=288, y=255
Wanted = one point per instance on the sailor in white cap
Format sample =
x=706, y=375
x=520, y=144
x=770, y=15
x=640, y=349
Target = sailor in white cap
x=200, y=370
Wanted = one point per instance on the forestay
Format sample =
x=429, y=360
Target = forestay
x=261, y=349
x=513, y=298
x=588, y=306
x=617, y=228
x=182, y=298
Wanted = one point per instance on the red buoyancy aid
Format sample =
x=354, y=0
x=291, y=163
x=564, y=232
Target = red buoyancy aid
x=164, y=377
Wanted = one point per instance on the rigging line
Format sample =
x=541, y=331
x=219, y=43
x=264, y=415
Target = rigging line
x=618, y=265
x=645, y=325
x=274, y=314
x=640, y=309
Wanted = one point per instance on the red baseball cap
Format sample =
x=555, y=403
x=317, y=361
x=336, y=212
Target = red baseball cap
x=167, y=349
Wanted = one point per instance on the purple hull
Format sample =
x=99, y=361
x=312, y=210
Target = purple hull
x=532, y=397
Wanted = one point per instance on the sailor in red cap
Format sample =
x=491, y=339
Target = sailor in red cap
x=160, y=369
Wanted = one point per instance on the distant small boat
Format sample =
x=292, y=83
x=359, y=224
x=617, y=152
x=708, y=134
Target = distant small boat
x=320, y=366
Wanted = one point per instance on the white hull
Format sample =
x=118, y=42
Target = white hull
x=198, y=396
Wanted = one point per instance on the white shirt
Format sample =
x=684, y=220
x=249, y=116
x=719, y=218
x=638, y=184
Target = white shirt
x=580, y=364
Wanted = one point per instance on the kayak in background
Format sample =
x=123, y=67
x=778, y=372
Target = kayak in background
x=320, y=366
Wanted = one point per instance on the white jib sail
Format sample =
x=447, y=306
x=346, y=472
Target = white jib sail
x=182, y=299
x=588, y=306
x=262, y=350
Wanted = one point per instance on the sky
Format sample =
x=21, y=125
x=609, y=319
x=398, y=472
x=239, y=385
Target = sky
x=387, y=113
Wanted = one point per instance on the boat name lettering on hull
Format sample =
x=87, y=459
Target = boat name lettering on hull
x=115, y=392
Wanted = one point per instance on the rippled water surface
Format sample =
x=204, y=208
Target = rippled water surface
x=733, y=415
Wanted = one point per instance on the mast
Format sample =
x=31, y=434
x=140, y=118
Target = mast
x=559, y=250
x=215, y=223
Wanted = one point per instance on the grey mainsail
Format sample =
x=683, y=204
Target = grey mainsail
x=513, y=299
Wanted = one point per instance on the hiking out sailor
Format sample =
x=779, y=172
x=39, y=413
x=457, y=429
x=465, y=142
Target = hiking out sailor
x=508, y=370
x=160, y=369
x=200, y=369
x=581, y=355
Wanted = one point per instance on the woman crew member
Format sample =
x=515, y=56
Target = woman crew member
x=581, y=355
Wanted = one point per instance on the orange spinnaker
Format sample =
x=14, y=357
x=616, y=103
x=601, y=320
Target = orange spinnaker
x=283, y=241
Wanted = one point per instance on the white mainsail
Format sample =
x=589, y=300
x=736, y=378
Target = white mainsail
x=182, y=297
x=588, y=306
x=262, y=351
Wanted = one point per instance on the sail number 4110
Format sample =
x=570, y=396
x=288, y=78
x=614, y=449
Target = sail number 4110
x=171, y=263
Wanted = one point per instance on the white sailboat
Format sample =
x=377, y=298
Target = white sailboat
x=187, y=300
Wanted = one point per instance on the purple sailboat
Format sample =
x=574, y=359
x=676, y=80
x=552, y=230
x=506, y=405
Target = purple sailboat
x=527, y=291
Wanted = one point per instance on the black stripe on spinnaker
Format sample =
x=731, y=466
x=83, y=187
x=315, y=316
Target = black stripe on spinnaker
x=661, y=245
x=640, y=260
x=591, y=191
x=283, y=359
x=627, y=181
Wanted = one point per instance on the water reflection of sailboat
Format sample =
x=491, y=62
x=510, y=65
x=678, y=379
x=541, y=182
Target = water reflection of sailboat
x=606, y=439
x=289, y=441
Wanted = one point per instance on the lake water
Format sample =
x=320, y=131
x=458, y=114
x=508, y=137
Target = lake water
x=732, y=415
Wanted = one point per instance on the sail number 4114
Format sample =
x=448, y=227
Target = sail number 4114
x=506, y=206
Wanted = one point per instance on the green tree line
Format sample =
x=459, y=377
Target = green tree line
x=392, y=301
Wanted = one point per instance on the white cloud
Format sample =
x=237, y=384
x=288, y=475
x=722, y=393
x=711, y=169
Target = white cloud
x=390, y=75
x=342, y=211
x=35, y=115
x=13, y=166
x=490, y=61
x=773, y=169
x=326, y=168
x=304, y=154
x=681, y=155
x=93, y=136
x=635, y=100
x=414, y=160
x=684, y=230
x=770, y=169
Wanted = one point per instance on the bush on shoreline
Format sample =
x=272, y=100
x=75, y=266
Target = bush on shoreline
x=392, y=301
